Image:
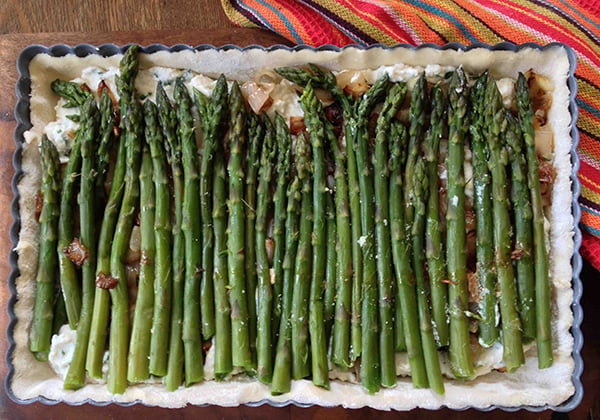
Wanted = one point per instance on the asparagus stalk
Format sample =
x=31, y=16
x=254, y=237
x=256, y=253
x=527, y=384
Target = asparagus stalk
x=128, y=70
x=511, y=326
x=523, y=228
x=540, y=255
x=328, y=81
x=341, y=326
x=162, y=236
x=256, y=134
x=87, y=221
x=392, y=104
x=215, y=119
x=432, y=362
x=370, y=368
x=69, y=281
x=282, y=369
x=106, y=134
x=192, y=232
x=417, y=116
x=119, y=323
x=279, y=216
x=433, y=229
x=402, y=264
x=264, y=292
x=238, y=296
x=41, y=327
x=139, y=344
x=168, y=123
x=316, y=132
x=331, y=269
x=301, y=286
x=486, y=270
x=73, y=93
x=99, y=326
x=460, y=352
x=223, y=364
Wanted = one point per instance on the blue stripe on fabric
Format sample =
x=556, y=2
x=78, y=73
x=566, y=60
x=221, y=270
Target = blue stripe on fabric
x=441, y=13
x=258, y=16
x=285, y=21
x=592, y=230
x=591, y=211
x=594, y=111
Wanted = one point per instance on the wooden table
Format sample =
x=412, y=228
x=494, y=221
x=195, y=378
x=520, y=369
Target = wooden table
x=191, y=22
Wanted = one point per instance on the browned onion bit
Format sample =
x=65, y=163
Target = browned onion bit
x=76, y=252
x=106, y=282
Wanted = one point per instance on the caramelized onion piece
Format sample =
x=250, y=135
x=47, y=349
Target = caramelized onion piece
x=39, y=204
x=76, y=252
x=106, y=282
x=297, y=125
x=258, y=96
x=547, y=175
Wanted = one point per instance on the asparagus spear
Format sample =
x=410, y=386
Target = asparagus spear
x=542, y=280
x=331, y=269
x=119, y=323
x=417, y=116
x=238, y=297
x=168, y=123
x=128, y=70
x=523, y=228
x=460, y=353
x=139, y=344
x=223, y=364
x=341, y=327
x=162, y=236
x=279, y=216
x=282, y=368
x=73, y=93
x=392, y=104
x=301, y=286
x=401, y=258
x=256, y=134
x=66, y=233
x=486, y=270
x=434, y=248
x=511, y=326
x=41, y=327
x=432, y=362
x=87, y=221
x=192, y=232
x=316, y=131
x=217, y=113
x=328, y=81
x=264, y=292
x=99, y=326
x=106, y=134
x=370, y=368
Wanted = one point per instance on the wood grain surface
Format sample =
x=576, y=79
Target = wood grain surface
x=26, y=22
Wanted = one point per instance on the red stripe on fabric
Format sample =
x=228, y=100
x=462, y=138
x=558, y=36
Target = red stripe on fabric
x=376, y=15
x=590, y=249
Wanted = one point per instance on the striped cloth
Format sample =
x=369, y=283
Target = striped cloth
x=573, y=22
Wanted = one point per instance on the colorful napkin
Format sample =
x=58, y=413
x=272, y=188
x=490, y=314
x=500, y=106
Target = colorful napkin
x=573, y=22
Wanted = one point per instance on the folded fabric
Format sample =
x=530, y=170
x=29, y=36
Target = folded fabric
x=573, y=22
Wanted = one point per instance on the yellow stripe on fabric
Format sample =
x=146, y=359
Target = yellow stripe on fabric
x=453, y=34
x=586, y=191
x=236, y=17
